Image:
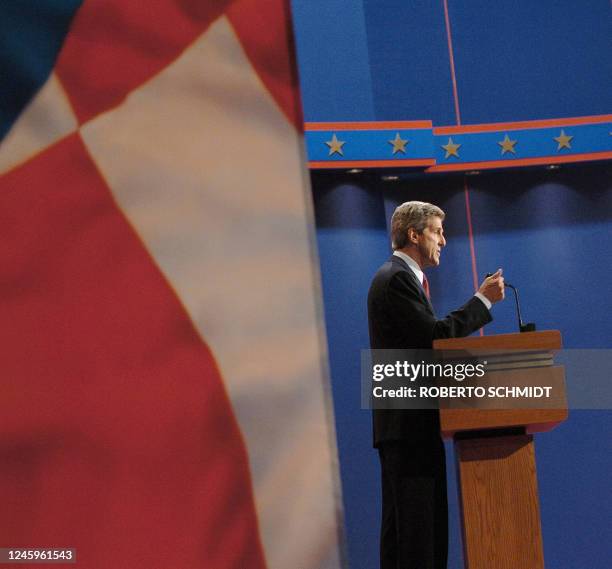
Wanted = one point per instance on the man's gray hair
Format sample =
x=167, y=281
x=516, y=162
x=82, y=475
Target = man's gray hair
x=411, y=214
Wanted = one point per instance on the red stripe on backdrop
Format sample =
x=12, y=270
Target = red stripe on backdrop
x=368, y=125
x=522, y=125
x=118, y=438
x=343, y=164
x=516, y=162
x=264, y=30
x=468, y=215
x=116, y=45
x=451, y=57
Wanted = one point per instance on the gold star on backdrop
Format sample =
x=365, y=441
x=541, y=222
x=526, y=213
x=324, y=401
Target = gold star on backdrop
x=507, y=145
x=335, y=145
x=399, y=145
x=451, y=148
x=563, y=140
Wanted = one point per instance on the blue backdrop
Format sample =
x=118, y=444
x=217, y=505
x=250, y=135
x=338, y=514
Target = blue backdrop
x=514, y=61
x=549, y=230
x=378, y=60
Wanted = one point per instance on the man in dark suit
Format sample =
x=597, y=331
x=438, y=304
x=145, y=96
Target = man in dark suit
x=414, y=531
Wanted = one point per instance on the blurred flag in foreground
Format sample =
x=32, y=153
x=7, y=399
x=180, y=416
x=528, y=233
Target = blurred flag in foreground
x=163, y=385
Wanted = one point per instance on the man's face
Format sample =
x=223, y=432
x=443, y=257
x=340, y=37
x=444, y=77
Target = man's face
x=430, y=243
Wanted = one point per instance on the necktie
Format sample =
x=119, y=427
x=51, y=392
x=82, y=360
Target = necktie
x=426, y=286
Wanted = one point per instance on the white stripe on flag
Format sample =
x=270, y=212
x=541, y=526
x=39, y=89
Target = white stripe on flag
x=47, y=118
x=210, y=173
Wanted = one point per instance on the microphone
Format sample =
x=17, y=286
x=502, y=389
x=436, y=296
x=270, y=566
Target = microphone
x=530, y=326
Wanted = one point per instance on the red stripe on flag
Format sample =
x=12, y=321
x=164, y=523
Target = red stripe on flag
x=116, y=45
x=117, y=438
x=265, y=32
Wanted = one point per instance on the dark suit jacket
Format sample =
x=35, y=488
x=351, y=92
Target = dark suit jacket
x=401, y=317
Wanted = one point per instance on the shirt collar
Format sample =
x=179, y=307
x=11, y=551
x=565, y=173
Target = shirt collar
x=414, y=266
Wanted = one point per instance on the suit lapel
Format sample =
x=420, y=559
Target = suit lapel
x=400, y=262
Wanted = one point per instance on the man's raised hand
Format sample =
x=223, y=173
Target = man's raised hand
x=493, y=287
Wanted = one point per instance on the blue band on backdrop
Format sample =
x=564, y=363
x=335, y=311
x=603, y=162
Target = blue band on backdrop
x=417, y=144
x=370, y=144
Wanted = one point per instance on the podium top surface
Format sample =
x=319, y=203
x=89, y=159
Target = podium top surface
x=542, y=340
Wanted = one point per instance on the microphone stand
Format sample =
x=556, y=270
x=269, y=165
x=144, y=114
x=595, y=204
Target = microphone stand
x=530, y=326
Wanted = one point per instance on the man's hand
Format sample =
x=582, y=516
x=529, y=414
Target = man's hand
x=493, y=287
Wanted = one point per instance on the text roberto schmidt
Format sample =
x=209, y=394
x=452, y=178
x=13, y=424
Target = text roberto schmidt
x=427, y=372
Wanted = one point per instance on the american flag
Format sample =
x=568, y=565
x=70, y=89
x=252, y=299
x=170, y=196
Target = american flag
x=164, y=389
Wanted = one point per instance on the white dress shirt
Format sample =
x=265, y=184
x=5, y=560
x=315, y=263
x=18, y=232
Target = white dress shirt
x=414, y=267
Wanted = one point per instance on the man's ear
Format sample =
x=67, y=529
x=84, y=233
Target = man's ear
x=413, y=235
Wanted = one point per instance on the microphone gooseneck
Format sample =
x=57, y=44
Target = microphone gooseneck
x=530, y=326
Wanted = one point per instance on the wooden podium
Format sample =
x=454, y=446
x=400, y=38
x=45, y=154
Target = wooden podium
x=494, y=446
